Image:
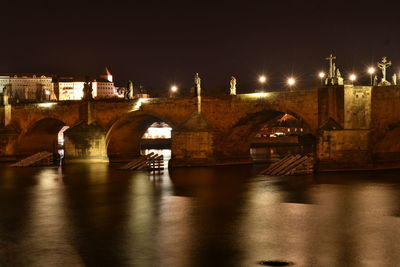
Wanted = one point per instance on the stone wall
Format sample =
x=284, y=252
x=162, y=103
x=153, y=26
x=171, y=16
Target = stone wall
x=8, y=140
x=233, y=120
x=192, y=145
x=349, y=148
x=331, y=105
x=344, y=149
x=85, y=142
x=385, y=126
x=357, y=103
x=385, y=109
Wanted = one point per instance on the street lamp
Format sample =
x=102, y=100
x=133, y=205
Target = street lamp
x=262, y=79
x=371, y=71
x=353, y=77
x=173, y=90
x=321, y=76
x=291, y=81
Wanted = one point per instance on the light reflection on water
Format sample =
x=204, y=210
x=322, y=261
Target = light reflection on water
x=96, y=215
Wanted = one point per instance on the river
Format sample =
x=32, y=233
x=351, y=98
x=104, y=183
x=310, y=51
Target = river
x=95, y=215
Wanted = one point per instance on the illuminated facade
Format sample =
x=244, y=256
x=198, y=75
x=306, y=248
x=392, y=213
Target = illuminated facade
x=35, y=87
x=28, y=87
x=103, y=87
x=69, y=88
x=158, y=130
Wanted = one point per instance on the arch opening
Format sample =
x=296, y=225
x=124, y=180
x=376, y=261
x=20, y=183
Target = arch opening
x=279, y=136
x=240, y=141
x=157, y=136
x=44, y=135
x=157, y=139
x=139, y=134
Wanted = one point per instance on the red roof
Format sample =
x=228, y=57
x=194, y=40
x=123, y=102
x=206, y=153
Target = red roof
x=106, y=72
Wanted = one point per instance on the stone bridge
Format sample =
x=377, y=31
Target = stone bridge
x=355, y=127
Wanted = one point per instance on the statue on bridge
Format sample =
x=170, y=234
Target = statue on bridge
x=233, y=85
x=4, y=96
x=129, y=91
x=197, y=85
x=384, y=65
x=334, y=76
x=87, y=90
x=338, y=74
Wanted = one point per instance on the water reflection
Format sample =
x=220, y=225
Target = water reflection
x=35, y=231
x=96, y=215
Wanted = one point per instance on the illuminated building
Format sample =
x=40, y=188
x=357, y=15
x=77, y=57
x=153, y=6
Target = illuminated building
x=158, y=130
x=103, y=87
x=69, y=88
x=35, y=87
x=286, y=125
x=28, y=87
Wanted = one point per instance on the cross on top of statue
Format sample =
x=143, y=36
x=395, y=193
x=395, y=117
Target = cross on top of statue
x=331, y=67
x=334, y=77
x=383, y=65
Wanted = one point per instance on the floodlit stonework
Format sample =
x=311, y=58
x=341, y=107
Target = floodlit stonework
x=355, y=127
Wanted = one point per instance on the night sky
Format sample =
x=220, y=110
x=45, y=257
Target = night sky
x=157, y=43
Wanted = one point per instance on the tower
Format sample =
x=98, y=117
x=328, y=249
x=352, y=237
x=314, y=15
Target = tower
x=106, y=75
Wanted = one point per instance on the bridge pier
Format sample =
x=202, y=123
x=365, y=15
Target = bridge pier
x=85, y=142
x=346, y=142
x=8, y=142
x=8, y=135
x=193, y=144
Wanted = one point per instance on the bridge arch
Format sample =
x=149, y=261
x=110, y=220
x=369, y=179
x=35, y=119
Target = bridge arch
x=124, y=136
x=237, y=140
x=40, y=136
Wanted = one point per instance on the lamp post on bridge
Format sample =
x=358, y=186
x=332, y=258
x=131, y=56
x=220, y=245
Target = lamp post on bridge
x=371, y=71
x=353, y=78
x=291, y=82
x=262, y=79
x=321, y=76
x=173, y=90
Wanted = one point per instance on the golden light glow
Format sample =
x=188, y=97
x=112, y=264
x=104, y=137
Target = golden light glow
x=138, y=104
x=262, y=79
x=259, y=94
x=321, y=74
x=371, y=70
x=46, y=105
x=174, y=88
x=291, y=81
x=254, y=95
x=353, y=77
